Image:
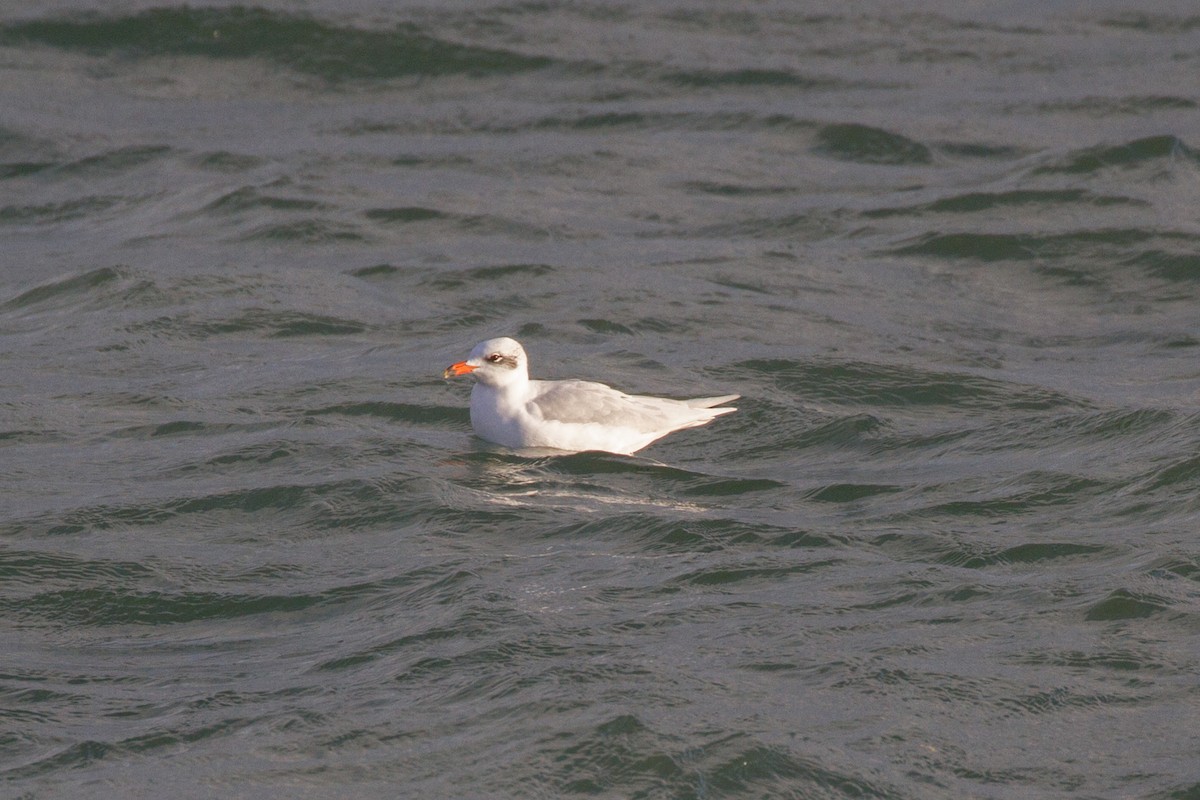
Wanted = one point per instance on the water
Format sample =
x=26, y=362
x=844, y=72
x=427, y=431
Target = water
x=946, y=548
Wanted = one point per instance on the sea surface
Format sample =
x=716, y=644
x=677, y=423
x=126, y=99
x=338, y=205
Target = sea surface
x=948, y=547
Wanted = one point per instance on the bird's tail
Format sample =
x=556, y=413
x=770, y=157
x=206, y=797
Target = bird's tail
x=709, y=402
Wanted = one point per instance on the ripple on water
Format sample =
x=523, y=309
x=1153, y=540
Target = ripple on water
x=299, y=42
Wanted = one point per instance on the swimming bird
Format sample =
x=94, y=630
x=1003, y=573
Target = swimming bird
x=509, y=409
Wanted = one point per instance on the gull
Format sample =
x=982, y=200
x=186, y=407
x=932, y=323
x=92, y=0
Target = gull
x=509, y=409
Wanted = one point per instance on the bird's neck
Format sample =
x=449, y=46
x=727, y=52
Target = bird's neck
x=513, y=391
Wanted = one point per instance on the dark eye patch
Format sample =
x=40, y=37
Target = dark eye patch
x=502, y=360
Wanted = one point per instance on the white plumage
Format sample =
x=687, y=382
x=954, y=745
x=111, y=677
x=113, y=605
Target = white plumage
x=509, y=409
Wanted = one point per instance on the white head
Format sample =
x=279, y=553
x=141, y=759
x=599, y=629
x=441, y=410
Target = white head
x=496, y=362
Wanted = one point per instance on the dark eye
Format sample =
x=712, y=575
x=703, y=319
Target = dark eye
x=495, y=358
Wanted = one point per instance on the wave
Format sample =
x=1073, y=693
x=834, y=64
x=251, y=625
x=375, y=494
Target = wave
x=301, y=43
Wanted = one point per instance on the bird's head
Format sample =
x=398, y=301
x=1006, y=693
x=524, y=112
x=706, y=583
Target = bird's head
x=496, y=362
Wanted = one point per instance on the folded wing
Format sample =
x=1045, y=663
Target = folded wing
x=585, y=402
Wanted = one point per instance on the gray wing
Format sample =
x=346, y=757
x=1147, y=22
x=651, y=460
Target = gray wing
x=588, y=402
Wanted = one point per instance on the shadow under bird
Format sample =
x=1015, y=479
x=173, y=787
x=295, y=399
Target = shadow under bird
x=509, y=409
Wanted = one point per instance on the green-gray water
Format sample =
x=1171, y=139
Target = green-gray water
x=949, y=254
